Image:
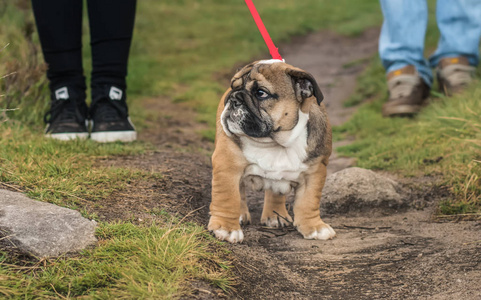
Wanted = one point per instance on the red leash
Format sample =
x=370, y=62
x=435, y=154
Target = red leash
x=272, y=48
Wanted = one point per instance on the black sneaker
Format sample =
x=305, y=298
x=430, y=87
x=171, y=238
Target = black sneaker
x=110, y=118
x=67, y=118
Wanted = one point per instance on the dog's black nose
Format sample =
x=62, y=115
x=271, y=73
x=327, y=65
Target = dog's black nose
x=237, y=99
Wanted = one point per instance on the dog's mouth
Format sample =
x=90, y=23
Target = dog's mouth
x=242, y=116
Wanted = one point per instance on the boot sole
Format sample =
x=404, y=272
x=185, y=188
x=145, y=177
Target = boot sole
x=114, y=136
x=68, y=136
x=400, y=110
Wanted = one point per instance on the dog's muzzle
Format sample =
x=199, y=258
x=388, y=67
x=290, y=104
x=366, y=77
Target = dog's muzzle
x=245, y=112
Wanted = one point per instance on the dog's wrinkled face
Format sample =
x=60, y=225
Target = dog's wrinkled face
x=266, y=99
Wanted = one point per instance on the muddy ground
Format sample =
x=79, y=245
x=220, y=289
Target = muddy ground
x=380, y=255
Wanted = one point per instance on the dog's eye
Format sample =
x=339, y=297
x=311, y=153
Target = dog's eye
x=261, y=94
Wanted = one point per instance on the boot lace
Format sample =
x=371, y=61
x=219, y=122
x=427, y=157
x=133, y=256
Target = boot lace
x=403, y=85
x=458, y=75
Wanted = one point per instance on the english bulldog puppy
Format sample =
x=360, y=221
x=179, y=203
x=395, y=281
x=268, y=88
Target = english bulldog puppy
x=273, y=134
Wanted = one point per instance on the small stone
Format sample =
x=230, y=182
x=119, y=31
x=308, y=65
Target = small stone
x=359, y=190
x=43, y=229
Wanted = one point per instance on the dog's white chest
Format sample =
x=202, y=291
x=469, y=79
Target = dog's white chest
x=275, y=167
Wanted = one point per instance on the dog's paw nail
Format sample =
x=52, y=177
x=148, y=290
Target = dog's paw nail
x=324, y=233
x=271, y=222
x=235, y=236
x=244, y=220
x=275, y=222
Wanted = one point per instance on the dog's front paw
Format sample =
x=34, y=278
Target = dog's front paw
x=319, y=231
x=276, y=221
x=225, y=230
x=236, y=236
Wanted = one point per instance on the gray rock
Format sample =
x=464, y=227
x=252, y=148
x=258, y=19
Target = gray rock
x=360, y=190
x=43, y=229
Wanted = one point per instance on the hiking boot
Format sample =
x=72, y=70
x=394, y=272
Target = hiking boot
x=407, y=93
x=454, y=74
x=109, y=117
x=67, y=118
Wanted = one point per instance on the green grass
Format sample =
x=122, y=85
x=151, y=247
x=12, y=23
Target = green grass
x=443, y=140
x=61, y=172
x=130, y=262
x=371, y=84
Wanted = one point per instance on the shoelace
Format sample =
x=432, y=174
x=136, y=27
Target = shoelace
x=403, y=87
x=458, y=74
x=108, y=110
x=63, y=110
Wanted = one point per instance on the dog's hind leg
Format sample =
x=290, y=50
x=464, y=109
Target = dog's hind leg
x=275, y=213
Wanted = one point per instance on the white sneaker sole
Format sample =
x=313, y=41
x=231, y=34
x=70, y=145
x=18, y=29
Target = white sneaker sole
x=68, y=136
x=114, y=136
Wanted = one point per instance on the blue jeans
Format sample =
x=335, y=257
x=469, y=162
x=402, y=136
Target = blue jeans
x=402, y=36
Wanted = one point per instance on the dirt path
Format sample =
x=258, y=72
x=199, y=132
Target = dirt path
x=384, y=255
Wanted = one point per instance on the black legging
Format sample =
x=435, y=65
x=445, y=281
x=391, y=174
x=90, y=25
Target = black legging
x=59, y=24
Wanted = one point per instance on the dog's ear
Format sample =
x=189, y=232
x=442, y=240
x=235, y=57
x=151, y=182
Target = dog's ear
x=240, y=76
x=305, y=86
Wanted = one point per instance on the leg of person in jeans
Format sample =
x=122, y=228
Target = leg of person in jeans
x=59, y=25
x=111, y=27
x=457, y=54
x=401, y=47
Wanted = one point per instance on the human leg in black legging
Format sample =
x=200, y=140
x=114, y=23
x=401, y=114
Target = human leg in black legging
x=59, y=25
x=111, y=26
